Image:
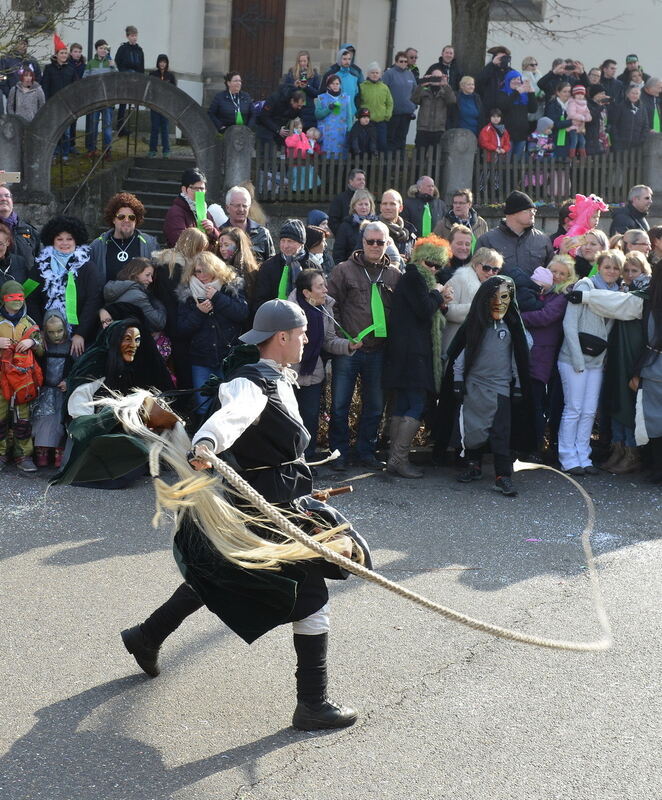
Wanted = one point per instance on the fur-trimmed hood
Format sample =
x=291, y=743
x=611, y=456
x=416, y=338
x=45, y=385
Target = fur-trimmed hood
x=413, y=191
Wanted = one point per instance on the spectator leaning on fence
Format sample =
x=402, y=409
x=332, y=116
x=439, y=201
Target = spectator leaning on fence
x=375, y=95
x=231, y=106
x=402, y=83
x=651, y=104
x=628, y=122
x=433, y=95
x=519, y=242
x=633, y=215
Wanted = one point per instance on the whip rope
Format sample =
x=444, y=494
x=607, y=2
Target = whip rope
x=291, y=530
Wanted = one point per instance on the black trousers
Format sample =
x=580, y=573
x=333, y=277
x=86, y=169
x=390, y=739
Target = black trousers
x=396, y=134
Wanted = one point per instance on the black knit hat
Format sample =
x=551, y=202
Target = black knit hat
x=314, y=236
x=518, y=201
x=293, y=229
x=595, y=88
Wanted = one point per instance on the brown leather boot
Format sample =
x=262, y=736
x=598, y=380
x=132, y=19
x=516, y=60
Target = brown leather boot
x=629, y=463
x=617, y=453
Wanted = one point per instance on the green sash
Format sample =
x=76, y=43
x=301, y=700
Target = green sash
x=560, y=136
x=238, y=118
x=426, y=222
x=71, y=300
x=282, y=284
x=200, y=208
x=378, y=316
x=656, y=119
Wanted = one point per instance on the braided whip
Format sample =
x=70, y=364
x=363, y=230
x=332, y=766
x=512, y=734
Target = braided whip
x=298, y=535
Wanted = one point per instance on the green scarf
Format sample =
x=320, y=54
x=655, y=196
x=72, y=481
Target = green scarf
x=238, y=118
x=438, y=322
x=656, y=119
x=378, y=326
x=426, y=222
x=71, y=300
x=284, y=281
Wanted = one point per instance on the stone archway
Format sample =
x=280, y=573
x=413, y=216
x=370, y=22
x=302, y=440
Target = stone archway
x=45, y=130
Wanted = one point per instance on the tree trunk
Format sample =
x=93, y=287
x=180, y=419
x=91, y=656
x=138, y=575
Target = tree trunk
x=469, y=20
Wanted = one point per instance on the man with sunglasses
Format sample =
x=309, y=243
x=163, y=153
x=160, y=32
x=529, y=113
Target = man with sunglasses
x=363, y=288
x=519, y=242
x=123, y=242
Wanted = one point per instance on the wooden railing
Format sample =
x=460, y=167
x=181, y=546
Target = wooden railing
x=319, y=178
x=552, y=181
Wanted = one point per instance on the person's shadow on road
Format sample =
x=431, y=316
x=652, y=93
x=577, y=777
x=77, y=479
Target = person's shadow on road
x=57, y=761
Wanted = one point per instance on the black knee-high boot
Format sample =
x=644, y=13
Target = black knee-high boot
x=314, y=710
x=143, y=641
x=656, y=452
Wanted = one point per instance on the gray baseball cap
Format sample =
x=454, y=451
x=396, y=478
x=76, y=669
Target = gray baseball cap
x=274, y=316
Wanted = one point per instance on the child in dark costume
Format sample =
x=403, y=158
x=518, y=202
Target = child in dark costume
x=489, y=363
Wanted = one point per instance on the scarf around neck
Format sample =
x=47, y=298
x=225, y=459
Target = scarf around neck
x=314, y=334
x=199, y=289
x=435, y=329
x=600, y=283
x=397, y=229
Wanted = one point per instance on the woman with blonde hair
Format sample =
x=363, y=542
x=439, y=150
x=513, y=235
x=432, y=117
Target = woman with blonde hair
x=305, y=77
x=212, y=311
x=234, y=247
x=581, y=365
x=169, y=267
x=348, y=237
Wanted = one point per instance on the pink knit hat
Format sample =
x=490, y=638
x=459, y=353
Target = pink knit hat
x=578, y=89
x=542, y=276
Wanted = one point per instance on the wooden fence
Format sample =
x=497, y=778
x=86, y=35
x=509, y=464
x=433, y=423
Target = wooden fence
x=319, y=178
x=552, y=181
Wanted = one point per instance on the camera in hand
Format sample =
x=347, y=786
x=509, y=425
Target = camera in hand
x=569, y=66
x=505, y=60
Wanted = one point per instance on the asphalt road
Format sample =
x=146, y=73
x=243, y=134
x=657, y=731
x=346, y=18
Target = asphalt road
x=446, y=712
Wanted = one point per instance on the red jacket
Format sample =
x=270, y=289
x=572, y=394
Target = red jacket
x=489, y=139
x=180, y=217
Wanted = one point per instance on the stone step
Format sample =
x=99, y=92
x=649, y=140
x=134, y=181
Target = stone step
x=165, y=164
x=146, y=174
x=157, y=199
x=138, y=186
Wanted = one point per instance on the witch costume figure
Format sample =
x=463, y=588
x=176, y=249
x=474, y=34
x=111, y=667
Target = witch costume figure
x=99, y=453
x=254, y=582
x=488, y=366
x=49, y=410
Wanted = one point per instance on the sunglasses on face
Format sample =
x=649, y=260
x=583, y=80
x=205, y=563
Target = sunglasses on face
x=122, y=217
x=488, y=268
x=375, y=242
x=431, y=264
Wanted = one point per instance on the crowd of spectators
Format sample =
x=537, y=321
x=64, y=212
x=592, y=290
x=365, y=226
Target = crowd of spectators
x=423, y=303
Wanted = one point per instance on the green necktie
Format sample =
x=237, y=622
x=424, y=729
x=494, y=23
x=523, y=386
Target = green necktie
x=426, y=224
x=71, y=300
x=282, y=284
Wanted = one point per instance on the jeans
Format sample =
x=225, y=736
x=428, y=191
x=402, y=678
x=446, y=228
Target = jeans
x=576, y=141
x=619, y=433
x=382, y=136
x=309, y=399
x=106, y=116
x=409, y=403
x=159, y=125
x=346, y=369
x=398, y=127
x=581, y=391
x=518, y=149
x=63, y=147
x=200, y=375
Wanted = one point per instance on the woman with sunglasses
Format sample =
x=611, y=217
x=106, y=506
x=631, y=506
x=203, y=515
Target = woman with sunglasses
x=465, y=282
x=112, y=251
x=532, y=74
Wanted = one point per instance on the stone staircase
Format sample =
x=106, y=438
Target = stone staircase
x=156, y=183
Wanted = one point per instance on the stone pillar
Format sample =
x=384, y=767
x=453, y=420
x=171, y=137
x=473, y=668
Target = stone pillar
x=238, y=147
x=458, y=153
x=652, y=165
x=11, y=140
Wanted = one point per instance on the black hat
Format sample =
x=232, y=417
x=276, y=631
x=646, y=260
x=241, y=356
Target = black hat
x=595, y=88
x=293, y=229
x=314, y=236
x=363, y=112
x=518, y=201
x=494, y=51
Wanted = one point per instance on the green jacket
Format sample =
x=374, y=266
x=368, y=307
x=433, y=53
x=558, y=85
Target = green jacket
x=376, y=97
